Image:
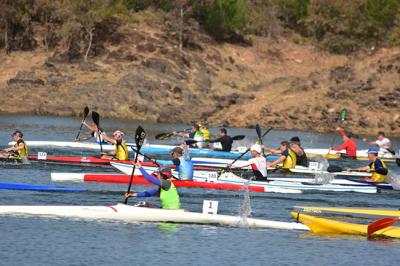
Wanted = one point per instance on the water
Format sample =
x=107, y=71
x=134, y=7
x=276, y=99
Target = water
x=49, y=241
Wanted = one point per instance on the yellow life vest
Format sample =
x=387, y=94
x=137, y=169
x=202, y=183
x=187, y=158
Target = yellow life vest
x=206, y=135
x=19, y=153
x=376, y=177
x=290, y=160
x=121, y=151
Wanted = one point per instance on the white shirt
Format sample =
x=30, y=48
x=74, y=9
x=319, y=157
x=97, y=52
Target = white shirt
x=258, y=163
x=383, y=144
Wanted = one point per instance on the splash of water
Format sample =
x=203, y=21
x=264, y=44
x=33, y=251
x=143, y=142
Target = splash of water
x=322, y=177
x=394, y=180
x=245, y=208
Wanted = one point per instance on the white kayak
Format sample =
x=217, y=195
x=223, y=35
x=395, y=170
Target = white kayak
x=360, y=153
x=234, y=179
x=126, y=213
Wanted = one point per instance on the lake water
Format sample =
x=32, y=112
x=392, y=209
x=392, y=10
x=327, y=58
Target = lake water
x=49, y=241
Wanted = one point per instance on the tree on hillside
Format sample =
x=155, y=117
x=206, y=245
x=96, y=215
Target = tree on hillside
x=7, y=12
x=86, y=15
x=225, y=18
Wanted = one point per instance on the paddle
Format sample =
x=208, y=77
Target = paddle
x=381, y=224
x=144, y=155
x=258, y=130
x=140, y=135
x=96, y=120
x=164, y=136
x=241, y=155
x=342, y=116
x=192, y=141
x=85, y=114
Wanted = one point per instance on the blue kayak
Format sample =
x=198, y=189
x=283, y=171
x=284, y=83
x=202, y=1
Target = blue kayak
x=18, y=186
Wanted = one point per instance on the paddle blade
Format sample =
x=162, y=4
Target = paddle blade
x=238, y=137
x=85, y=112
x=381, y=224
x=96, y=118
x=342, y=115
x=258, y=130
x=163, y=136
x=190, y=141
x=140, y=135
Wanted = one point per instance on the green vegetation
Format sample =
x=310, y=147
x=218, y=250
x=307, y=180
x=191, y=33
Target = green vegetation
x=339, y=26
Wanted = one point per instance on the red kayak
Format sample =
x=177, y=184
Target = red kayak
x=140, y=180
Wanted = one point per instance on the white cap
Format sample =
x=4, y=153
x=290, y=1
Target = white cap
x=256, y=148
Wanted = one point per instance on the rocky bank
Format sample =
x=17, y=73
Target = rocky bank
x=138, y=72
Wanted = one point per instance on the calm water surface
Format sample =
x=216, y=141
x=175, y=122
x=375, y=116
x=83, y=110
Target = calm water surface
x=49, y=241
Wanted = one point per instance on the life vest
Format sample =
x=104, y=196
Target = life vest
x=170, y=198
x=206, y=134
x=121, y=151
x=377, y=177
x=290, y=160
x=185, y=169
x=23, y=152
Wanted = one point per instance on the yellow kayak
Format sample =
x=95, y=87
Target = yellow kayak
x=328, y=226
x=356, y=212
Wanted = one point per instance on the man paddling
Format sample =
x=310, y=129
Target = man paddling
x=383, y=143
x=288, y=156
x=258, y=163
x=19, y=150
x=295, y=145
x=195, y=134
x=349, y=144
x=377, y=167
x=94, y=133
x=225, y=141
x=206, y=135
x=121, y=150
x=183, y=162
x=166, y=190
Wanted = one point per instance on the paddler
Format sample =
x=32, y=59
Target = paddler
x=377, y=167
x=121, y=150
x=195, y=134
x=183, y=162
x=288, y=156
x=349, y=144
x=225, y=141
x=206, y=134
x=295, y=145
x=94, y=133
x=19, y=150
x=383, y=143
x=258, y=163
x=166, y=190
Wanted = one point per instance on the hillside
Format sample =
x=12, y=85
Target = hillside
x=139, y=73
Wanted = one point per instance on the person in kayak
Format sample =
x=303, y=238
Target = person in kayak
x=195, y=134
x=349, y=144
x=206, y=134
x=295, y=145
x=19, y=150
x=258, y=163
x=166, y=190
x=383, y=143
x=288, y=156
x=121, y=150
x=377, y=167
x=94, y=133
x=224, y=140
x=183, y=163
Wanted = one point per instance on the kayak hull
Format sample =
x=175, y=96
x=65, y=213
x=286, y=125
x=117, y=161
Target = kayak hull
x=327, y=226
x=32, y=187
x=128, y=213
x=356, y=212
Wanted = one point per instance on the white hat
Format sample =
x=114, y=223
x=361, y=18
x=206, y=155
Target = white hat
x=256, y=148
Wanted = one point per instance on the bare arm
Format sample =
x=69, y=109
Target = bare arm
x=276, y=162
